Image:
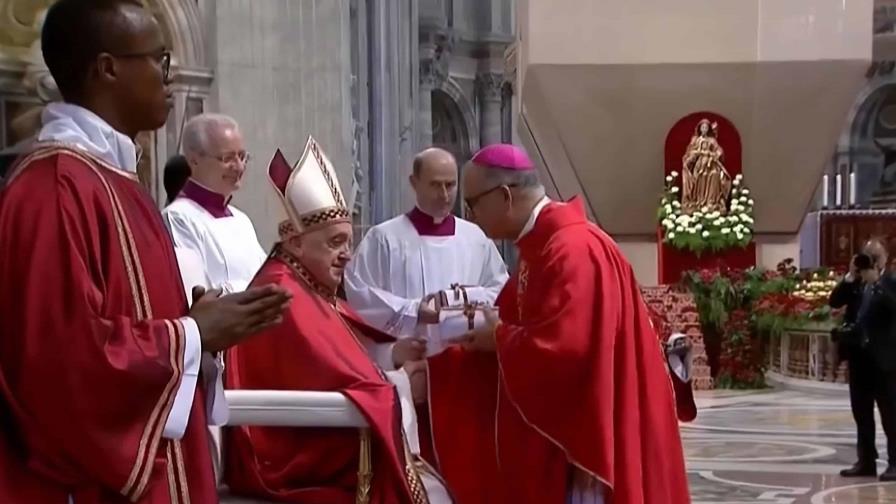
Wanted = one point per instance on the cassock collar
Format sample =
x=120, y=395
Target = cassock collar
x=427, y=226
x=212, y=202
x=75, y=125
x=552, y=218
x=530, y=224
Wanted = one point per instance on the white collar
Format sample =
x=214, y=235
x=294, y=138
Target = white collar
x=543, y=202
x=75, y=125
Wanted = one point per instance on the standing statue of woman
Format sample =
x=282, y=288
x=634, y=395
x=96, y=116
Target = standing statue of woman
x=706, y=183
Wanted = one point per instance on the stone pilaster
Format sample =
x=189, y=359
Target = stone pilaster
x=488, y=90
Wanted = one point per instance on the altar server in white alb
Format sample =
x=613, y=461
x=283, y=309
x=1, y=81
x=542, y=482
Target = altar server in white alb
x=215, y=242
x=401, y=277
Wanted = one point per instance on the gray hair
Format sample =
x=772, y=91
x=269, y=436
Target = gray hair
x=526, y=180
x=197, y=130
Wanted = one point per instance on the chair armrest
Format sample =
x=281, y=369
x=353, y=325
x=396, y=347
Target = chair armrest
x=286, y=408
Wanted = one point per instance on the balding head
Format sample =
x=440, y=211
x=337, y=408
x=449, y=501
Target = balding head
x=878, y=252
x=434, y=179
x=500, y=200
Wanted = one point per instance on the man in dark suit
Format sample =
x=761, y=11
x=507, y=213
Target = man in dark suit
x=868, y=292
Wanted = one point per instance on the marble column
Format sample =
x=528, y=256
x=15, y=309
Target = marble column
x=488, y=90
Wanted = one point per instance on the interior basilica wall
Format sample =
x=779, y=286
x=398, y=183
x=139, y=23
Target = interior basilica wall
x=374, y=82
x=282, y=70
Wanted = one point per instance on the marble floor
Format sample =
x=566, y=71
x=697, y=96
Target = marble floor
x=778, y=446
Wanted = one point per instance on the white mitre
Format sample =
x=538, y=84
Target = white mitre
x=309, y=190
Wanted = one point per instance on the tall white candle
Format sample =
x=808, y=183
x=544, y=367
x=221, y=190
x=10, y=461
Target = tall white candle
x=852, y=188
x=825, y=189
x=839, y=190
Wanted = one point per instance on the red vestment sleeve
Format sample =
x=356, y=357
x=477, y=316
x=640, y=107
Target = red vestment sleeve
x=88, y=378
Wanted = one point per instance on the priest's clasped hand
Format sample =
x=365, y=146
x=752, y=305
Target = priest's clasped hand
x=408, y=349
x=430, y=307
x=482, y=339
x=224, y=321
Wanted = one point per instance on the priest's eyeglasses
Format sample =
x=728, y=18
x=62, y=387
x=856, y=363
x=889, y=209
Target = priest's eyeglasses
x=231, y=158
x=162, y=58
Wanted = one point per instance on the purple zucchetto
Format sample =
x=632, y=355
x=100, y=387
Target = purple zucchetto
x=504, y=156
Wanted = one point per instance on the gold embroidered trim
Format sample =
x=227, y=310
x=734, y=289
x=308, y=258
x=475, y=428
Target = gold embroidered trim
x=154, y=427
x=305, y=276
x=182, y=479
x=41, y=150
x=415, y=483
x=172, y=486
x=324, y=166
x=325, y=215
x=365, y=468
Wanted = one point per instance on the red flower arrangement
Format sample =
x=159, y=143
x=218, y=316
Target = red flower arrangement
x=741, y=309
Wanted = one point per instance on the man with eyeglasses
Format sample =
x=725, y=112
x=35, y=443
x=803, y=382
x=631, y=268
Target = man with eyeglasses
x=99, y=354
x=201, y=219
x=566, y=398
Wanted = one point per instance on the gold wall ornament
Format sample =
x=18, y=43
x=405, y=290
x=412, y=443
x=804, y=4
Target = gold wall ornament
x=706, y=183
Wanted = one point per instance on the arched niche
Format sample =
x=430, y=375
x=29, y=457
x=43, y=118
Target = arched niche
x=871, y=151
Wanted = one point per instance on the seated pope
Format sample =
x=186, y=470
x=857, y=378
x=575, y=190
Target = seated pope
x=321, y=346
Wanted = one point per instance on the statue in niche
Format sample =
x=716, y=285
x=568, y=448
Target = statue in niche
x=706, y=183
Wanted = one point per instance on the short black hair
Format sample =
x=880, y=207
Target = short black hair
x=177, y=172
x=74, y=33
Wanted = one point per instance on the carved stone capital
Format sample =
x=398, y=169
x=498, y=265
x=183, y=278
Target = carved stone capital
x=489, y=85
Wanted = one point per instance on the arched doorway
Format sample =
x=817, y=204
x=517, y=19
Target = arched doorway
x=450, y=132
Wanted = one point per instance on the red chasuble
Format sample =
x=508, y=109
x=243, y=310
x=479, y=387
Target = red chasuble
x=91, y=349
x=313, y=349
x=578, y=380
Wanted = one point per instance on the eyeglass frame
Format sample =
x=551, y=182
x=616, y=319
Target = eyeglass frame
x=163, y=58
x=241, y=156
x=472, y=201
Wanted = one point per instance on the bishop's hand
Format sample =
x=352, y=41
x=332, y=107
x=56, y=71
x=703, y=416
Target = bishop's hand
x=224, y=321
x=430, y=307
x=408, y=349
x=482, y=339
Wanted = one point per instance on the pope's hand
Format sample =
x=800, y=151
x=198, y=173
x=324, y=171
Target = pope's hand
x=483, y=338
x=408, y=349
x=417, y=375
x=430, y=307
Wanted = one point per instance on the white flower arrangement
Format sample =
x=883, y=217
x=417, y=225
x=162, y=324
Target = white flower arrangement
x=702, y=229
